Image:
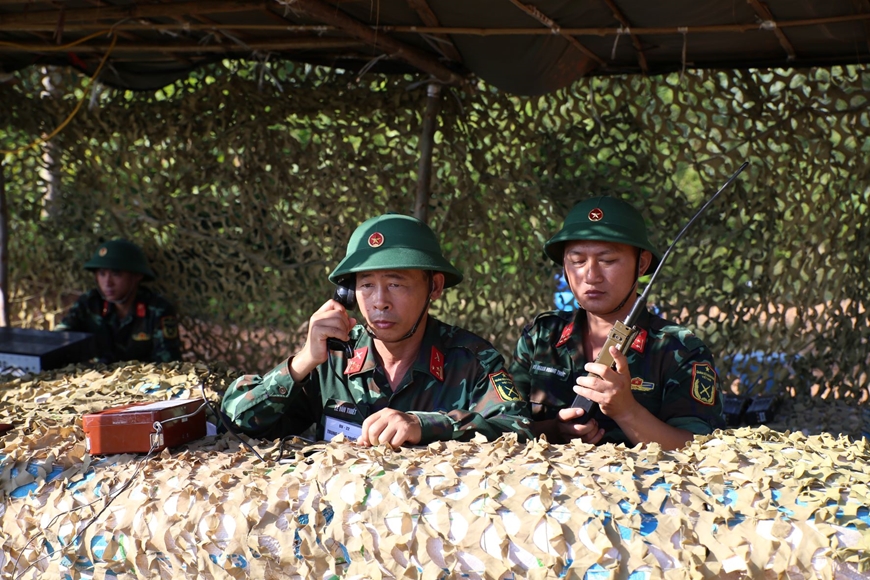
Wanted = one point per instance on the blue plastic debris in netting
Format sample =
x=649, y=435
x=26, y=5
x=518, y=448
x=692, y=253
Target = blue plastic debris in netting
x=234, y=560
x=599, y=572
x=302, y=519
x=33, y=469
x=756, y=370
x=648, y=522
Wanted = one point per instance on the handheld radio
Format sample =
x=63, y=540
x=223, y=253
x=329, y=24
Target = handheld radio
x=623, y=333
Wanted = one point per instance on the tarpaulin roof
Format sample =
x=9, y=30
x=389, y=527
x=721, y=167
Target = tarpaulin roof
x=520, y=46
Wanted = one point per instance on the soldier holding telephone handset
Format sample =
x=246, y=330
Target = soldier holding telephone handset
x=403, y=377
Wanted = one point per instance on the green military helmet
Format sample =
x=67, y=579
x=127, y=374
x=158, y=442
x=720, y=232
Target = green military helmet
x=394, y=242
x=602, y=219
x=120, y=255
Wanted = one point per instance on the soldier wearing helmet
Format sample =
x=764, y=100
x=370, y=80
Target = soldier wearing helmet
x=129, y=322
x=665, y=389
x=410, y=379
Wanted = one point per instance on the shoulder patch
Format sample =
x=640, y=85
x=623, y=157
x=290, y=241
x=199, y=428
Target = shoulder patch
x=169, y=324
x=503, y=384
x=704, y=383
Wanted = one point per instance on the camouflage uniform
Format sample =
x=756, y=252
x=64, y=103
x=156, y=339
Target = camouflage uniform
x=149, y=332
x=672, y=372
x=457, y=387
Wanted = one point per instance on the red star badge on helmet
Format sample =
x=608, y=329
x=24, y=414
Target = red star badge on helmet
x=596, y=215
x=103, y=251
x=376, y=240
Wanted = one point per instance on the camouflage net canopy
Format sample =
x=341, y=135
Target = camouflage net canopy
x=244, y=183
x=746, y=503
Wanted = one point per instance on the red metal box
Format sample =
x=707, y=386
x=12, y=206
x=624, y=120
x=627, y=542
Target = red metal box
x=136, y=428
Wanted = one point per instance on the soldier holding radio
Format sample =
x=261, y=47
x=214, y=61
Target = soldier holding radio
x=664, y=389
x=405, y=377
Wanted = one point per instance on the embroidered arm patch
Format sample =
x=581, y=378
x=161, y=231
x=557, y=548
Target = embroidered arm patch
x=704, y=383
x=504, y=386
x=169, y=324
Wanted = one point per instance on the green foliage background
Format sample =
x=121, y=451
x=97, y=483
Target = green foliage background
x=244, y=182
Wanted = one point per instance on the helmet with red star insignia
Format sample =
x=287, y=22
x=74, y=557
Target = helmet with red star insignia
x=602, y=219
x=394, y=242
x=121, y=255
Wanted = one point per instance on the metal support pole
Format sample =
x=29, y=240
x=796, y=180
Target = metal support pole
x=4, y=250
x=424, y=173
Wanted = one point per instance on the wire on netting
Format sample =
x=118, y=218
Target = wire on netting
x=219, y=414
x=112, y=497
x=78, y=106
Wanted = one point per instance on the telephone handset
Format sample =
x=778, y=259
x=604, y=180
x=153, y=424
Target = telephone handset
x=345, y=294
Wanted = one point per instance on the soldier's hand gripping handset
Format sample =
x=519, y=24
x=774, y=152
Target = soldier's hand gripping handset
x=328, y=329
x=345, y=294
x=624, y=333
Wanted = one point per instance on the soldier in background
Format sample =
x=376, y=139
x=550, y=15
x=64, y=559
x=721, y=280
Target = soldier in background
x=128, y=321
x=664, y=390
x=410, y=379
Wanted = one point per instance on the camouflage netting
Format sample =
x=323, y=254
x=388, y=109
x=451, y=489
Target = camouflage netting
x=736, y=504
x=244, y=183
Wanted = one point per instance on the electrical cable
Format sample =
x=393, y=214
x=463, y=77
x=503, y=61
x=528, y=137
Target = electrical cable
x=219, y=414
x=78, y=106
x=112, y=497
x=155, y=443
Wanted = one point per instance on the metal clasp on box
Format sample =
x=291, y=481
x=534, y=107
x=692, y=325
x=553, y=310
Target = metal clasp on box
x=157, y=436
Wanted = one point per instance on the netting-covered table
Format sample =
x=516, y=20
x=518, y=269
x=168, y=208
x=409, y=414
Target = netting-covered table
x=745, y=503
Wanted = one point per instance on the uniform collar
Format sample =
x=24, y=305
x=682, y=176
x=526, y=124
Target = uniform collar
x=572, y=332
x=138, y=309
x=427, y=361
x=431, y=358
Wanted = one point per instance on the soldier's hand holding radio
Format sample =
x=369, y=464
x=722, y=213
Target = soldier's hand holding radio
x=609, y=387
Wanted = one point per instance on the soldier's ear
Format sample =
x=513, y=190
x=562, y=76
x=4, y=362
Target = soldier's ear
x=643, y=262
x=436, y=285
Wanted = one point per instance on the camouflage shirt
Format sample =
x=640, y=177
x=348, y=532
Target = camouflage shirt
x=458, y=386
x=149, y=332
x=672, y=372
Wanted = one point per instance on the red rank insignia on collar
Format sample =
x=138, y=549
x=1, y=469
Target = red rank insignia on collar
x=105, y=307
x=436, y=364
x=566, y=334
x=141, y=310
x=355, y=364
x=639, y=343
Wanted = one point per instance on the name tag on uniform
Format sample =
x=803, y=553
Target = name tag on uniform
x=332, y=427
x=542, y=369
